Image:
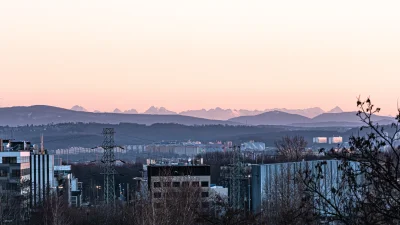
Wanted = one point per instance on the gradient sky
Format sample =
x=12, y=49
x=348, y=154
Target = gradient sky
x=188, y=54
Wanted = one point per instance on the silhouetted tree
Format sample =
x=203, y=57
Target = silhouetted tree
x=291, y=148
x=366, y=187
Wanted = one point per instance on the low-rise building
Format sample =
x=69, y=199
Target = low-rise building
x=335, y=140
x=252, y=146
x=320, y=140
x=68, y=185
x=163, y=179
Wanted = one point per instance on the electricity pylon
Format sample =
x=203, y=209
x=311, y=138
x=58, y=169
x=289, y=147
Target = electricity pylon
x=108, y=161
x=236, y=176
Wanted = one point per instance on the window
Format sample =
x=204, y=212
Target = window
x=204, y=205
x=11, y=186
x=157, y=184
x=204, y=183
x=9, y=160
x=167, y=184
x=176, y=184
x=157, y=205
x=25, y=172
x=185, y=184
x=24, y=159
x=157, y=194
x=16, y=173
x=204, y=194
x=195, y=184
x=3, y=172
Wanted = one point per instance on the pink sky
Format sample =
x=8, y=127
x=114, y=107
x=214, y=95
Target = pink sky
x=184, y=54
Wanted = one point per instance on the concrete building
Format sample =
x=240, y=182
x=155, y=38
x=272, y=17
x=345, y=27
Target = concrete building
x=267, y=179
x=174, y=178
x=320, y=140
x=190, y=148
x=252, y=146
x=68, y=185
x=219, y=191
x=42, y=177
x=14, y=171
x=335, y=140
x=14, y=146
x=14, y=180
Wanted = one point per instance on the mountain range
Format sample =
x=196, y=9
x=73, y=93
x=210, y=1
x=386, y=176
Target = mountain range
x=38, y=115
x=42, y=114
x=223, y=114
x=341, y=119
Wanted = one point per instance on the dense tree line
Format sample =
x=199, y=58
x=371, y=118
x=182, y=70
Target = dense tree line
x=58, y=136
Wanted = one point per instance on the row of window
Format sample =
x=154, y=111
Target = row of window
x=204, y=205
x=13, y=160
x=204, y=194
x=14, y=173
x=178, y=184
x=9, y=160
x=24, y=159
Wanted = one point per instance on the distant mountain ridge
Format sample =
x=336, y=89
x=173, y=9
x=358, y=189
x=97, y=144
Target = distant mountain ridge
x=343, y=119
x=337, y=109
x=226, y=114
x=159, y=111
x=131, y=111
x=38, y=115
x=78, y=108
x=42, y=114
x=223, y=114
x=271, y=118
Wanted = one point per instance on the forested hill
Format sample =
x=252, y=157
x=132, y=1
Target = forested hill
x=89, y=135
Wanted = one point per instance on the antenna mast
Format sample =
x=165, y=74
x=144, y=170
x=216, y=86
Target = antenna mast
x=41, y=145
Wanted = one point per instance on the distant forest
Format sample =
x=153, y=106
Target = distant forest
x=65, y=135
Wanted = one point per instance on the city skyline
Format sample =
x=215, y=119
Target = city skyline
x=184, y=56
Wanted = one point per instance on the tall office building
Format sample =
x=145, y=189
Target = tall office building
x=41, y=176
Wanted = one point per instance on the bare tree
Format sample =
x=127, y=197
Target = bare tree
x=284, y=198
x=291, y=148
x=14, y=202
x=178, y=200
x=367, y=188
x=53, y=210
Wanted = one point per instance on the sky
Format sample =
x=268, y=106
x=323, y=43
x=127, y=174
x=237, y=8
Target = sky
x=184, y=54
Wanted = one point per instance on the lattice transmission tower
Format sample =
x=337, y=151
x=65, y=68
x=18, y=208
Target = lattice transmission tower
x=108, y=161
x=235, y=178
